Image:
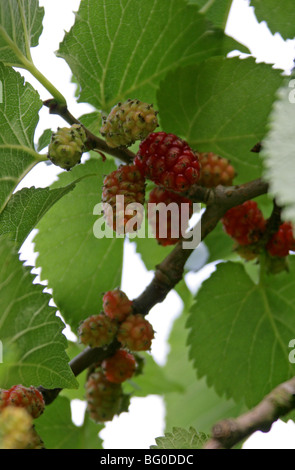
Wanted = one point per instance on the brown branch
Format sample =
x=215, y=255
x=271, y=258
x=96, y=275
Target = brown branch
x=167, y=275
x=92, y=355
x=93, y=142
x=278, y=403
x=228, y=196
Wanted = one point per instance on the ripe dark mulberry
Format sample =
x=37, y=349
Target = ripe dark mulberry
x=168, y=161
x=245, y=223
x=282, y=241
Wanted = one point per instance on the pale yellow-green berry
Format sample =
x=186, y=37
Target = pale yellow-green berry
x=15, y=428
x=67, y=146
x=128, y=122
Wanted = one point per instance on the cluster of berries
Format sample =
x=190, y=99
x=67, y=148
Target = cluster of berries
x=166, y=160
x=118, y=321
x=104, y=394
x=247, y=226
x=19, y=406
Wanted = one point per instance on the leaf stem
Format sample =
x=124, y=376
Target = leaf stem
x=41, y=158
x=28, y=64
x=59, y=98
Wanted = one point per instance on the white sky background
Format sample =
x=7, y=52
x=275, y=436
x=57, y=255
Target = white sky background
x=145, y=419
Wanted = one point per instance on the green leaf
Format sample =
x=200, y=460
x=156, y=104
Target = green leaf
x=78, y=266
x=20, y=29
x=92, y=121
x=220, y=245
x=223, y=108
x=278, y=151
x=216, y=11
x=26, y=208
x=280, y=16
x=44, y=140
x=19, y=110
x=75, y=348
x=181, y=438
x=56, y=429
x=118, y=50
x=29, y=326
x=199, y=405
x=18, y=121
x=241, y=329
x=152, y=381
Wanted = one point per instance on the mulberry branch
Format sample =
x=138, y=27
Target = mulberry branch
x=278, y=403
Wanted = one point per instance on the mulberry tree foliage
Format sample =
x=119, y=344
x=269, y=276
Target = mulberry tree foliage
x=178, y=120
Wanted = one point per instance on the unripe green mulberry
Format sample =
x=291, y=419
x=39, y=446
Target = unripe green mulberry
x=67, y=146
x=97, y=331
x=127, y=122
x=104, y=398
